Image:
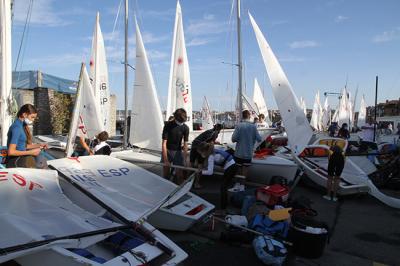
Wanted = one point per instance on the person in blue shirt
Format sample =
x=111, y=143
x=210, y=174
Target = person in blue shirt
x=245, y=136
x=21, y=151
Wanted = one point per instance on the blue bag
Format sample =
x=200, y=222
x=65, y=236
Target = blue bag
x=265, y=225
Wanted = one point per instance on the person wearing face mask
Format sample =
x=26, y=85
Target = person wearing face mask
x=344, y=132
x=174, y=132
x=21, y=150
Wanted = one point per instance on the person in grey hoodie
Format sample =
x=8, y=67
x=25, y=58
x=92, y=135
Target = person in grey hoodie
x=245, y=136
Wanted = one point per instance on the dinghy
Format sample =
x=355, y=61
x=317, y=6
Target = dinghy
x=206, y=115
x=129, y=189
x=299, y=131
x=42, y=227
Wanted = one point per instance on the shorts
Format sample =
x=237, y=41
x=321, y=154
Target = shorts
x=174, y=157
x=25, y=161
x=335, y=167
x=242, y=162
x=194, y=155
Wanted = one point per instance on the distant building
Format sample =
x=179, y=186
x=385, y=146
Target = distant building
x=54, y=99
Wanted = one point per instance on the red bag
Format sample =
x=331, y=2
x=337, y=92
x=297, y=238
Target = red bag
x=272, y=195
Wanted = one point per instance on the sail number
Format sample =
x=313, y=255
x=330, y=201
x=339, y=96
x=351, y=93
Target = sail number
x=20, y=181
x=184, y=91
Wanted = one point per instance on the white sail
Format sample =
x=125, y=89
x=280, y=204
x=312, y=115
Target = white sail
x=179, y=89
x=362, y=114
x=259, y=101
x=316, y=114
x=86, y=120
x=326, y=114
x=344, y=112
x=146, y=118
x=303, y=105
x=5, y=72
x=99, y=75
x=335, y=117
x=297, y=127
x=206, y=115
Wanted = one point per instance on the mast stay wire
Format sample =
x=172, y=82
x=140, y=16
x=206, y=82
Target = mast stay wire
x=24, y=33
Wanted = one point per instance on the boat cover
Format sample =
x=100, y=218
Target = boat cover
x=34, y=208
x=128, y=189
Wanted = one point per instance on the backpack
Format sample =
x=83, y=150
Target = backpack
x=263, y=224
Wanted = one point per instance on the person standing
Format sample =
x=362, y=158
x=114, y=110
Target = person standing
x=332, y=129
x=245, y=135
x=21, y=151
x=174, y=133
x=335, y=169
x=261, y=121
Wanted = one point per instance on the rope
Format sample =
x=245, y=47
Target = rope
x=26, y=27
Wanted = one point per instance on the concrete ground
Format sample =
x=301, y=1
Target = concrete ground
x=363, y=232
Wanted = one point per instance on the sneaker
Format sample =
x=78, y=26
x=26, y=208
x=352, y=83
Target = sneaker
x=335, y=199
x=235, y=188
x=327, y=197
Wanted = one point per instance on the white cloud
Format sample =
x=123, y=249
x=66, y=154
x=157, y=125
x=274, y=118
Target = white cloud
x=199, y=42
x=340, y=19
x=387, y=36
x=208, y=25
x=303, y=44
x=291, y=59
x=43, y=13
x=57, y=60
x=156, y=55
x=167, y=14
x=149, y=37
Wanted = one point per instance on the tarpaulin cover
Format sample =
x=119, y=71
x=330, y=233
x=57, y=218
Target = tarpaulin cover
x=126, y=188
x=33, y=208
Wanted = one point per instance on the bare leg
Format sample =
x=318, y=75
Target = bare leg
x=329, y=186
x=197, y=178
x=166, y=171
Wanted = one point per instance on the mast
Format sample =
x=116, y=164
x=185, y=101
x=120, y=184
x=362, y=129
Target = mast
x=240, y=85
x=125, y=140
x=376, y=105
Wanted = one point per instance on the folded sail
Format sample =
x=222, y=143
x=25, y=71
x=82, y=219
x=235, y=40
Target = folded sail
x=344, y=112
x=206, y=115
x=303, y=105
x=5, y=72
x=259, y=101
x=179, y=89
x=146, y=118
x=297, y=127
x=99, y=75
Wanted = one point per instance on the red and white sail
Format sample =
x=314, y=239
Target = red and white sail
x=99, y=75
x=179, y=88
x=86, y=118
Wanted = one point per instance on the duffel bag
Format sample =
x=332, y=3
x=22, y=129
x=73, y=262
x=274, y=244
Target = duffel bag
x=269, y=251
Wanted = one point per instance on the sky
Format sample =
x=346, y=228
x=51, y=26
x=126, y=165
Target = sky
x=321, y=45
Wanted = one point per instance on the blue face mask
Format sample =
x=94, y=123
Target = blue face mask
x=28, y=121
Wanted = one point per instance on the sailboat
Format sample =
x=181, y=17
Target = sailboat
x=206, y=115
x=303, y=105
x=99, y=74
x=362, y=114
x=326, y=115
x=179, y=86
x=316, y=115
x=313, y=159
x=167, y=217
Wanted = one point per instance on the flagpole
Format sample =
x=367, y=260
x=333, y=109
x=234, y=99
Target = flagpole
x=240, y=85
x=125, y=139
